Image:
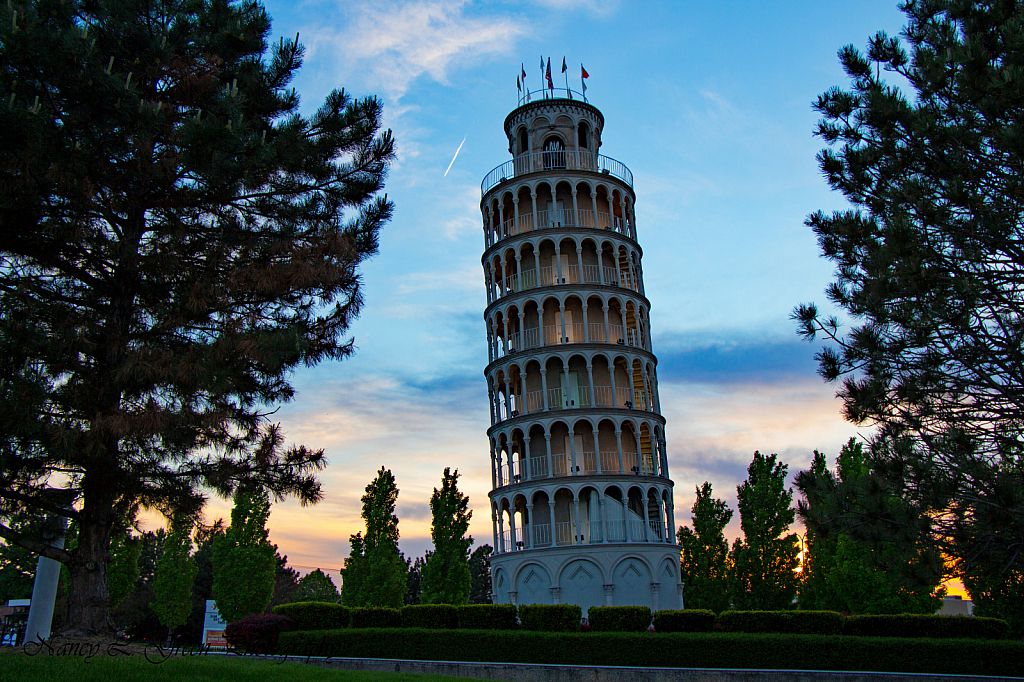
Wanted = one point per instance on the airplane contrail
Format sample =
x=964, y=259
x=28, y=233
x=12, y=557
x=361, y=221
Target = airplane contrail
x=456, y=156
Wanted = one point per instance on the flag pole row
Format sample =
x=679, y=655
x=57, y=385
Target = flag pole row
x=547, y=82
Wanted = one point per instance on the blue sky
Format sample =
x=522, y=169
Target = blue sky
x=709, y=105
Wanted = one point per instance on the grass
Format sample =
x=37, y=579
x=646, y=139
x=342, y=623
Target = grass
x=104, y=668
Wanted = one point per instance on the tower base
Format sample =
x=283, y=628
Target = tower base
x=612, y=574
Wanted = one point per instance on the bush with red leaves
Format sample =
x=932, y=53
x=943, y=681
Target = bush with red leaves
x=257, y=634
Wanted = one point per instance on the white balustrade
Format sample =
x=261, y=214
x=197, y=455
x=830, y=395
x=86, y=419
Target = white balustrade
x=541, y=534
x=610, y=461
x=564, y=533
x=539, y=466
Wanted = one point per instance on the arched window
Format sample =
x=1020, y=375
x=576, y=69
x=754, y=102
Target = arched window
x=583, y=134
x=524, y=141
x=554, y=153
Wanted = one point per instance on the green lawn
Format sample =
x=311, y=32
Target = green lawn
x=21, y=668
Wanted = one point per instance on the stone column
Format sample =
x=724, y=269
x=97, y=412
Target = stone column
x=551, y=470
x=655, y=589
x=597, y=441
x=528, y=527
x=544, y=387
x=608, y=592
x=618, y=444
x=576, y=518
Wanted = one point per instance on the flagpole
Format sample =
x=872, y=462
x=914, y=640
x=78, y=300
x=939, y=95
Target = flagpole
x=565, y=72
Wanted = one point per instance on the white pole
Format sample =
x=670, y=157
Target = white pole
x=44, y=591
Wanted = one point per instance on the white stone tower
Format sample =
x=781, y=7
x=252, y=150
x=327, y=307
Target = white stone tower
x=582, y=500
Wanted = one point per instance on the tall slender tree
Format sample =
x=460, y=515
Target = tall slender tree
x=175, y=573
x=480, y=575
x=244, y=561
x=446, y=575
x=177, y=238
x=374, y=572
x=317, y=586
x=705, y=553
x=764, y=562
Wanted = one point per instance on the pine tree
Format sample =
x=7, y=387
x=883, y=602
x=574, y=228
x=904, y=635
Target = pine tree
x=374, y=572
x=175, y=574
x=177, y=238
x=446, y=576
x=764, y=562
x=317, y=586
x=244, y=560
x=844, y=573
x=928, y=269
x=704, y=564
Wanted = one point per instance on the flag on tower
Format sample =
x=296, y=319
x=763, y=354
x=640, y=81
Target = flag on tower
x=547, y=75
x=523, y=70
x=564, y=67
x=519, y=86
x=583, y=82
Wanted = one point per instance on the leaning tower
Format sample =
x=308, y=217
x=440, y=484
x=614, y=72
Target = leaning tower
x=581, y=504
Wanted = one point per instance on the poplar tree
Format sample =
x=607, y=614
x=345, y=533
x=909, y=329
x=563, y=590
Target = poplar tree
x=177, y=239
x=244, y=561
x=925, y=145
x=764, y=562
x=704, y=565
x=446, y=575
x=374, y=572
x=175, y=574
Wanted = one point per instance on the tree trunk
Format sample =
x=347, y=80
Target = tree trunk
x=89, y=599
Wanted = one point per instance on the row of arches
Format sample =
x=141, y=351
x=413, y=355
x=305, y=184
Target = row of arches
x=558, y=260
x=582, y=135
x=552, y=320
x=588, y=515
x=572, y=381
x=633, y=579
x=557, y=202
x=581, y=447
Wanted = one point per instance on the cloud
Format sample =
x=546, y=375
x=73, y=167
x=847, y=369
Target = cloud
x=601, y=7
x=732, y=362
x=394, y=43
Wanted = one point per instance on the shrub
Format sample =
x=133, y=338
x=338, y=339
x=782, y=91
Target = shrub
x=686, y=620
x=315, y=615
x=551, y=617
x=790, y=622
x=619, y=618
x=739, y=650
x=487, y=617
x=432, y=616
x=375, y=617
x=940, y=627
x=257, y=633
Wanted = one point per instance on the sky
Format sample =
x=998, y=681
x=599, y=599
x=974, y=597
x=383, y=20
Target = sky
x=708, y=104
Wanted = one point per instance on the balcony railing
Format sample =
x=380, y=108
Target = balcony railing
x=532, y=278
x=539, y=162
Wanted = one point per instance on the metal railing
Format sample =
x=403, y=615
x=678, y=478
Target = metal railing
x=538, y=162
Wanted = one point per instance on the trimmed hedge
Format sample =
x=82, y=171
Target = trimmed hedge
x=619, y=618
x=257, y=633
x=433, y=616
x=315, y=615
x=487, y=617
x=551, y=617
x=787, y=622
x=939, y=627
x=375, y=617
x=686, y=620
x=674, y=650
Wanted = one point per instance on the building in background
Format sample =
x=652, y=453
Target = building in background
x=582, y=500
